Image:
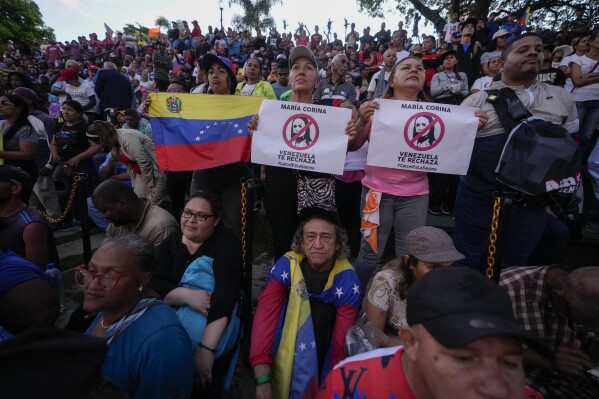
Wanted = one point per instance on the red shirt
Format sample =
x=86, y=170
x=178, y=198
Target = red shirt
x=123, y=158
x=363, y=376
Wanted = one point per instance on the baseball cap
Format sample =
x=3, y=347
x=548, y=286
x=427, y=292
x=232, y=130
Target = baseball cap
x=339, y=57
x=209, y=59
x=500, y=32
x=14, y=174
x=68, y=73
x=566, y=49
x=317, y=212
x=458, y=305
x=448, y=52
x=430, y=244
x=299, y=52
x=469, y=21
x=93, y=67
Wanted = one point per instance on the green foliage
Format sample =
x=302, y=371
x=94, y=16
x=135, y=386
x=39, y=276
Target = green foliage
x=162, y=22
x=257, y=14
x=22, y=20
x=545, y=13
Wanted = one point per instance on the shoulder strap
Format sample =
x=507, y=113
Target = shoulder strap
x=498, y=98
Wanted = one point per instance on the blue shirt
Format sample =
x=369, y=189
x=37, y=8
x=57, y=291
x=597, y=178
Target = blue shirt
x=152, y=358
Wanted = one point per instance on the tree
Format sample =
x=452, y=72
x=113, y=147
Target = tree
x=162, y=22
x=257, y=14
x=544, y=13
x=22, y=20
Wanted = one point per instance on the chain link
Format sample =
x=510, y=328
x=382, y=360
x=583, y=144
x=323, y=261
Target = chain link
x=243, y=223
x=493, y=238
x=67, y=209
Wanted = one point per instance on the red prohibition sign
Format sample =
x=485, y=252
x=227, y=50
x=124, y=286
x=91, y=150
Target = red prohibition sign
x=298, y=133
x=420, y=130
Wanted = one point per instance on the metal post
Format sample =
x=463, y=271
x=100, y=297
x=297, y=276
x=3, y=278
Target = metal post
x=82, y=198
x=220, y=5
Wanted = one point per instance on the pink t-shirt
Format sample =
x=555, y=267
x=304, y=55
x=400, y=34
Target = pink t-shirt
x=402, y=183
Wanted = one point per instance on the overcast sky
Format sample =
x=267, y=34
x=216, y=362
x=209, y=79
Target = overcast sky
x=72, y=18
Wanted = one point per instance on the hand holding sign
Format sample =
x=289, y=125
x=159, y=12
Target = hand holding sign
x=423, y=136
x=301, y=136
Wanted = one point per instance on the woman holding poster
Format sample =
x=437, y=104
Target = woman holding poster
x=391, y=198
x=287, y=190
x=226, y=179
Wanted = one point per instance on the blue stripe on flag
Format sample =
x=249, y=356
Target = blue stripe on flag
x=194, y=131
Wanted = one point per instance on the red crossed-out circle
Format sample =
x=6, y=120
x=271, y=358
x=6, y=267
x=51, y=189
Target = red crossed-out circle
x=409, y=128
x=290, y=139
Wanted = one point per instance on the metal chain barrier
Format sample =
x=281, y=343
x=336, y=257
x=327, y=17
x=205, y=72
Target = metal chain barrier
x=67, y=209
x=493, y=238
x=244, y=223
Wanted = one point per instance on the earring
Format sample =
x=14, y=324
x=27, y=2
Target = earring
x=141, y=288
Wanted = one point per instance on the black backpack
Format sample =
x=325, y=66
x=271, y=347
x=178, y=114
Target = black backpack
x=539, y=158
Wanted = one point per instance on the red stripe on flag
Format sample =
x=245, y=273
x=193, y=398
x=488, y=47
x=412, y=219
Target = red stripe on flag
x=182, y=157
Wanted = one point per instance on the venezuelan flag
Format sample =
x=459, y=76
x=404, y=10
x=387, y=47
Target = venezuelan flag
x=194, y=131
x=524, y=18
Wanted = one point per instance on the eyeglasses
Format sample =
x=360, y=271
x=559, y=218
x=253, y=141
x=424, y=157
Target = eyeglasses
x=107, y=280
x=199, y=216
x=5, y=103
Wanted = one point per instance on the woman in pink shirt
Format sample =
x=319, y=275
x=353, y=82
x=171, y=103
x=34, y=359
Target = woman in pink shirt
x=391, y=198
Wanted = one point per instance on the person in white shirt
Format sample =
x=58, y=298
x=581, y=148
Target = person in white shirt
x=451, y=27
x=494, y=66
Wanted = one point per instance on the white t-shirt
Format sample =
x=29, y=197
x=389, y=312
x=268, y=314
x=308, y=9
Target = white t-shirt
x=247, y=90
x=449, y=29
x=401, y=55
x=81, y=94
x=482, y=83
x=566, y=62
x=589, y=92
x=375, y=77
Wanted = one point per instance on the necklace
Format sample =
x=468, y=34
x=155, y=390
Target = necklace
x=105, y=326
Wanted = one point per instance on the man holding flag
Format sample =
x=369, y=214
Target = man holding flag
x=515, y=26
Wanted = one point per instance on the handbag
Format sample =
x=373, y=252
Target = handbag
x=319, y=191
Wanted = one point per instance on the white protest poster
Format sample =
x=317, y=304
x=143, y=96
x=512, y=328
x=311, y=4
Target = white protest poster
x=301, y=136
x=422, y=136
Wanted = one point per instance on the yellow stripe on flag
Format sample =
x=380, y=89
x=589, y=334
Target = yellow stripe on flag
x=203, y=107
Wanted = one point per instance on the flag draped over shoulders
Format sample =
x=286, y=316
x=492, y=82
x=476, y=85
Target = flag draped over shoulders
x=295, y=368
x=201, y=131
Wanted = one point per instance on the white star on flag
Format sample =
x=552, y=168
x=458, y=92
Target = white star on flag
x=201, y=132
x=272, y=269
x=356, y=289
x=303, y=346
x=236, y=125
x=339, y=292
x=240, y=131
x=198, y=138
x=285, y=275
x=313, y=343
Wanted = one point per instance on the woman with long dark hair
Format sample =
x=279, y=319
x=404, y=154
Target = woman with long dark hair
x=19, y=139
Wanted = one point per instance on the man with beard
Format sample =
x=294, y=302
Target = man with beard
x=129, y=214
x=335, y=88
x=474, y=203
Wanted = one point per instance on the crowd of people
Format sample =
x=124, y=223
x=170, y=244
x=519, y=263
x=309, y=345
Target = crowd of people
x=164, y=290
